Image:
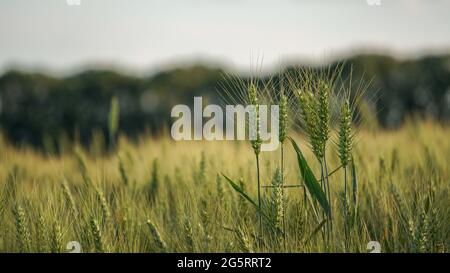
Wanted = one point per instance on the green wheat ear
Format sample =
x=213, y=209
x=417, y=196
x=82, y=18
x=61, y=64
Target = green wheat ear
x=283, y=117
x=123, y=171
x=41, y=235
x=23, y=233
x=104, y=205
x=323, y=111
x=97, y=234
x=161, y=245
x=55, y=238
x=81, y=162
x=310, y=119
x=243, y=241
x=252, y=94
x=69, y=198
x=277, y=199
x=189, y=234
x=345, y=135
x=253, y=100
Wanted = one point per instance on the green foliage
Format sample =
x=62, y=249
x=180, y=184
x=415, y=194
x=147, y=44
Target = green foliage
x=310, y=180
x=404, y=206
x=239, y=190
x=407, y=213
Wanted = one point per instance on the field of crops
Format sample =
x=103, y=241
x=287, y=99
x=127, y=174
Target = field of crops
x=335, y=183
x=159, y=195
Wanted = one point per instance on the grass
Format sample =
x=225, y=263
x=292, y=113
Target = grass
x=159, y=195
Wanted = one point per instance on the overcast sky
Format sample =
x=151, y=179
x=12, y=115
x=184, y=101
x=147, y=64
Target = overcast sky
x=145, y=35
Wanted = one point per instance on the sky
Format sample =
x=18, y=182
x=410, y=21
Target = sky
x=146, y=35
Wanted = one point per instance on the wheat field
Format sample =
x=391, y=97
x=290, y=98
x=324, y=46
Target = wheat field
x=158, y=195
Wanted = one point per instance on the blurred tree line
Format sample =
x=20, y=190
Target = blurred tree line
x=46, y=111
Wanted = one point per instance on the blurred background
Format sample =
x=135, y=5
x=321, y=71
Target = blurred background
x=62, y=61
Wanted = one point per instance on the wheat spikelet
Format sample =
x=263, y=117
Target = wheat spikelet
x=256, y=143
x=310, y=121
x=123, y=171
x=434, y=227
x=283, y=118
x=345, y=135
x=22, y=231
x=189, y=235
x=81, y=161
x=69, y=198
x=413, y=238
x=277, y=199
x=55, y=238
x=253, y=100
x=41, y=235
x=97, y=235
x=205, y=220
x=323, y=112
x=424, y=233
x=220, y=190
x=161, y=245
x=243, y=242
x=104, y=205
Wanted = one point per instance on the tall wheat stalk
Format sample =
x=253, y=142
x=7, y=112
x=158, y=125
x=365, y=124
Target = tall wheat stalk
x=315, y=119
x=314, y=90
x=345, y=150
x=256, y=144
x=283, y=120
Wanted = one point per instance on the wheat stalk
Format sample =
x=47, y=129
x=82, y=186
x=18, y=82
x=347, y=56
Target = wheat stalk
x=161, y=245
x=55, y=238
x=283, y=128
x=189, y=234
x=97, y=234
x=104, y=205
x=345, y=152
x=256, y=144
x=277, y=199
x=41, y=234
x=123, y=171
x=69, y=198
x=23, y=232
x=244, y=242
